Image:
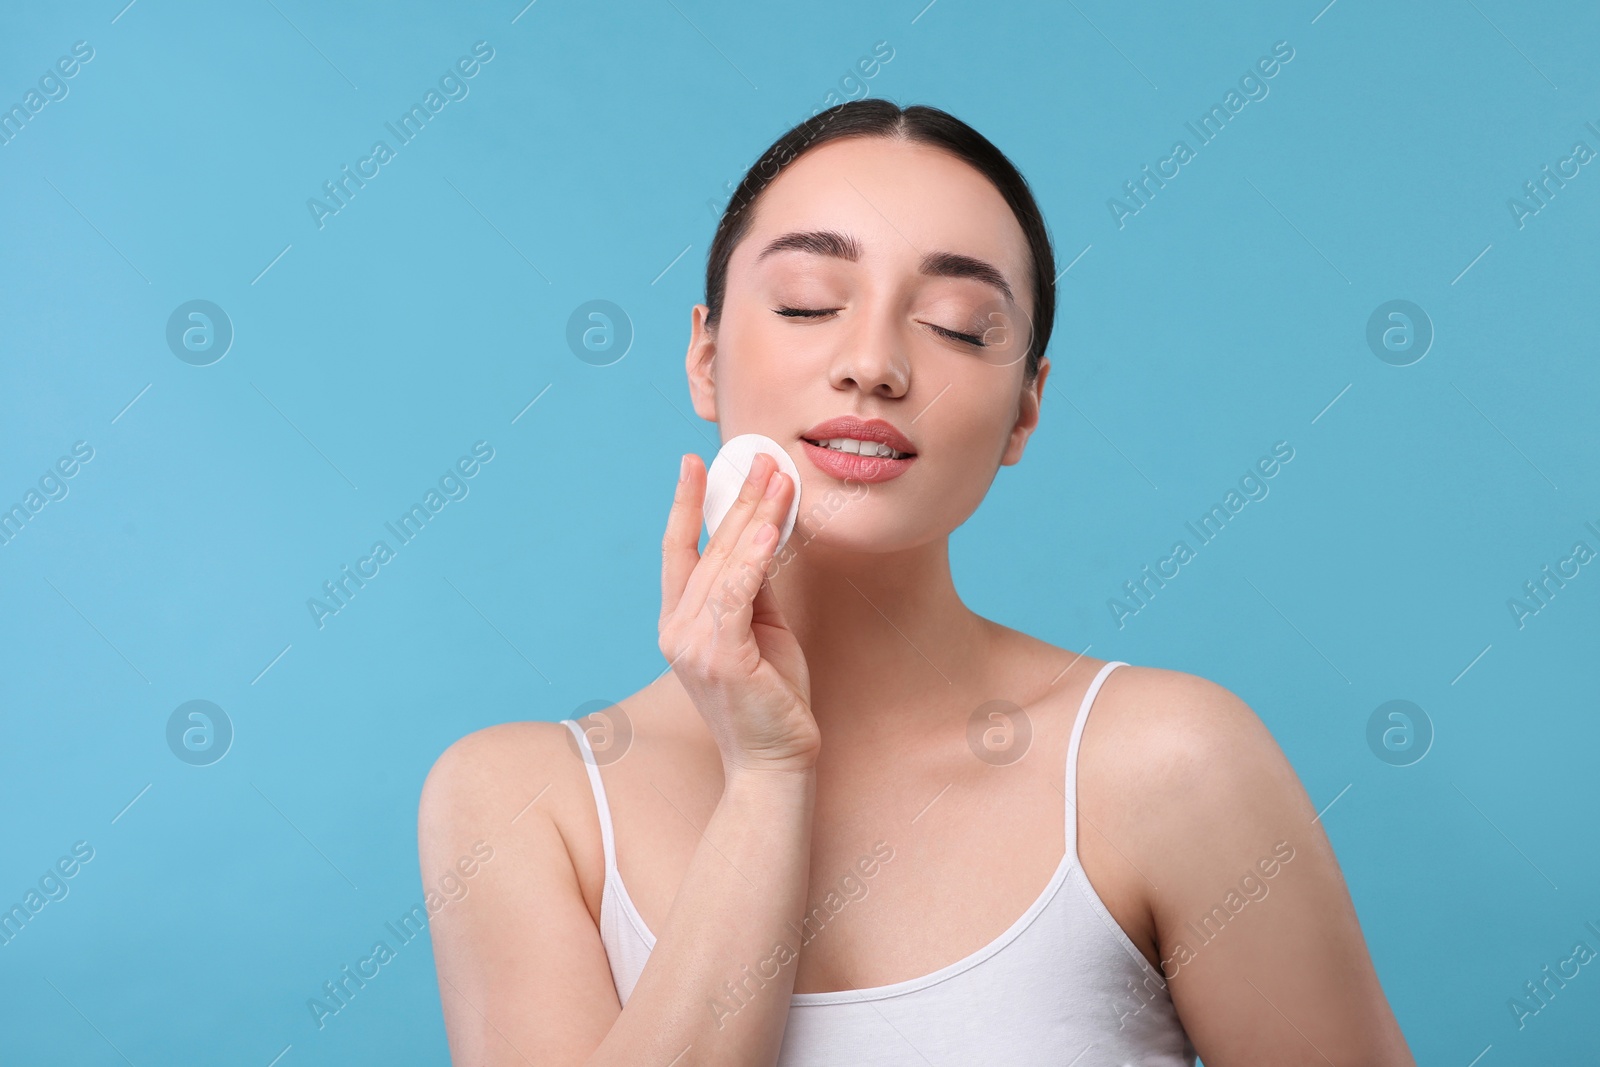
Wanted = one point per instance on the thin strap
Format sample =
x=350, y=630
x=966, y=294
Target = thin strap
x=599, y=788
x=1071, y=788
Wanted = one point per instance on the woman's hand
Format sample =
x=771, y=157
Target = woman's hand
x=721, y=628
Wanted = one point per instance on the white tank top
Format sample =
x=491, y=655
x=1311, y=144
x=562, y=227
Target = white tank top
x=1062, y=986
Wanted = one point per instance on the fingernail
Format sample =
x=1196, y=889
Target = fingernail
x=767, y=534
x=683, y=467
x=772, y=486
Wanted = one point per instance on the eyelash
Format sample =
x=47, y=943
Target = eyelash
x=965, y=338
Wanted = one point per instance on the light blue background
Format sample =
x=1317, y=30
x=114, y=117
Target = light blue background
x=1225, y=316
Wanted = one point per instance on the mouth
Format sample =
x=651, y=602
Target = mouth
x=864, y=450
x=853, y=460
x=865, y=437
x=855, y=446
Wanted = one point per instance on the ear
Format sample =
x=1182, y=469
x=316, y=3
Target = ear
x=700, y=364
x=1027, y=414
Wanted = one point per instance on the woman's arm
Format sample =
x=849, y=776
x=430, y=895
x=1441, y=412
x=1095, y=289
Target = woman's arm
x=522, y=971
x=522, y=974
x=1256, y=931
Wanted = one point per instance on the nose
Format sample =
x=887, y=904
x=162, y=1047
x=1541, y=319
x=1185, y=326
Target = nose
x=872, y=358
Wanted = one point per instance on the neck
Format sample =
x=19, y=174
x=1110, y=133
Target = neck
x=885, y=635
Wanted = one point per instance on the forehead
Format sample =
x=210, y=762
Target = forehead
x=899, y=200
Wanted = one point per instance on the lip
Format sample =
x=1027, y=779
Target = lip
x=848, y=465
x=862, y=430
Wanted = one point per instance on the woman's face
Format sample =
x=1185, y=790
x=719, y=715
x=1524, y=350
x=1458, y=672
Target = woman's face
x=906, y=247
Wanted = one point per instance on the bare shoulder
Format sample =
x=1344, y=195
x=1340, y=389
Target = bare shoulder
x=1158, y=736
x=511, y=920
x=526, y=784
x=1159, y=752
x=477, y=775
x=1210, y=810
x=518, y=783
x=1199, y=779
x=1181, y=733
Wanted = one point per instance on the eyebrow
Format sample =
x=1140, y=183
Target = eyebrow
x=843, y=246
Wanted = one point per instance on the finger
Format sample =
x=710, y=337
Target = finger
x=765, y=605
x=680, y=545
x=720, y=546
x=743, y=577
x=718, y=550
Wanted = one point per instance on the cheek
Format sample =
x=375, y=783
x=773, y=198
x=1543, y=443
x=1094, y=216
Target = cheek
x=965, y=442
x=972, y=421
x=970, y=470
x=760, y=363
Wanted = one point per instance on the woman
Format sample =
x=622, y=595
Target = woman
x=859, y=823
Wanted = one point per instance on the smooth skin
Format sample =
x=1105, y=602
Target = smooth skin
x=809, y=716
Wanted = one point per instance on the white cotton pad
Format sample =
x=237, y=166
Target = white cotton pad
x=727, y=473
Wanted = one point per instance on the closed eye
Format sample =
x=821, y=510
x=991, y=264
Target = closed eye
x=804, y=312
x=965, y=338
x=975, y=340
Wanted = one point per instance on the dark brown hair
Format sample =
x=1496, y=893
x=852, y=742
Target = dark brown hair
x=872, y=117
